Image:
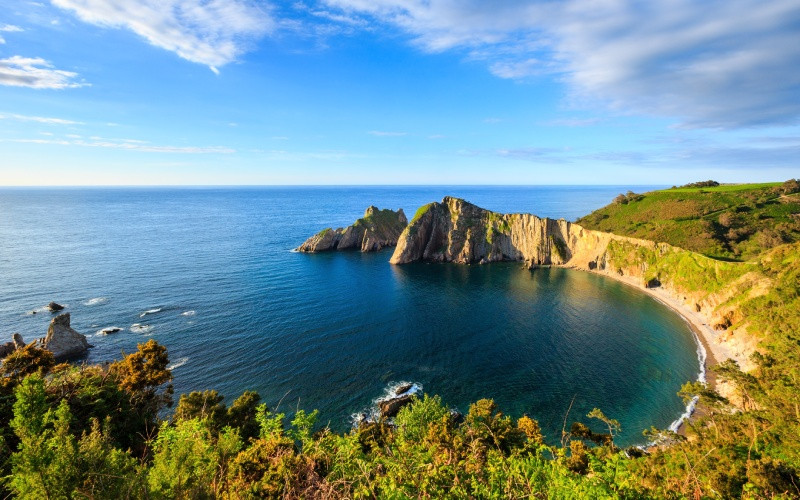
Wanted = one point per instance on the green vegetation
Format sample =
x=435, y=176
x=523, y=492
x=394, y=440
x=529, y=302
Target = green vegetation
x=735, y=222
x=420, y=212
x=104, y=431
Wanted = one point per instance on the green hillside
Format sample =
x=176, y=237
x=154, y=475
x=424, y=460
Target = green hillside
x=736, y=221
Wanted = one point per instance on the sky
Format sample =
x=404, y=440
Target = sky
x=240, y=92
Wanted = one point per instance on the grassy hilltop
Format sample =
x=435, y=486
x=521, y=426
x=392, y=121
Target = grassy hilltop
x=725, y=221
x=100, y=431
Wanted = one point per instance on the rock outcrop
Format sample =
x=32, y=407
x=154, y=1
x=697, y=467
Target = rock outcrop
x=391, y=407
x=376, y=230
x=54, y=307
x=62, y=340
x=9, y=347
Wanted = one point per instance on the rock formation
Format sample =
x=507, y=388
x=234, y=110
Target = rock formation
x=55, y=307
x=391, y=407
x=63, y=341
x=9, y=347
x=376, y=230
x=458, y=231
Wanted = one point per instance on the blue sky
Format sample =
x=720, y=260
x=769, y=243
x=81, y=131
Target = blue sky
x=143, y=92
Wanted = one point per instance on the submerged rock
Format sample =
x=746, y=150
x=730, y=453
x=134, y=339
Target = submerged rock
x=376, y=230
x=54, y=307
x=403, y=388
x=110, y=329
x=62, y=340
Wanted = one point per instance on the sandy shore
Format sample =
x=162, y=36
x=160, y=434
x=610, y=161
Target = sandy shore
x=716, y=351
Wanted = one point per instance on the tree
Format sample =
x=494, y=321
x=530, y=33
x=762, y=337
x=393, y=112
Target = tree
x=45, y=465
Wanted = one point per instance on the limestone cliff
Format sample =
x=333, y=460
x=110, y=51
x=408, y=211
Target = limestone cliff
x=458, y=231
x=376, y=230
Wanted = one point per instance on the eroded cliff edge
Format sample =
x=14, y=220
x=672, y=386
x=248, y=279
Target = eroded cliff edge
x=458, y=231
x=378, y=229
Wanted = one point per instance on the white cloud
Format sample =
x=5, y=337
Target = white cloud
x=10, y=28
x=381, y=133
x=210, y=32
x=38, y=119
x=716, y=63
x=126, y=144
x=36, y=73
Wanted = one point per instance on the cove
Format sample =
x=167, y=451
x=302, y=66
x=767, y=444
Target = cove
x=531, y=340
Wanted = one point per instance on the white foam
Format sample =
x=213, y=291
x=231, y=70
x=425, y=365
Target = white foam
x=177, y=364
x=143, y=329
x=109, y=330
x=372, y=414
x=701, y=377
x=188, y=313
x=96, y=301
x=150, y=311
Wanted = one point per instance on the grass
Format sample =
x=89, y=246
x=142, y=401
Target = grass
x=725, y=188
x=728, y=222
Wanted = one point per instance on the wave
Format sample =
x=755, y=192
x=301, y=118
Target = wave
x=392, y=390
x=108, y=330
x=188, y=313
x=177, y=364
x=139, y=328
x=151, y=311
x=96, y=301
x=702, y=355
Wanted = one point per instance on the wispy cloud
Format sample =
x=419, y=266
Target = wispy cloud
x=572, y=122
x=8, y=28
x=715, y=64
x=125, y=144
x=36, y=73
x=38, y=119
x=381, y=133
x=210, y=32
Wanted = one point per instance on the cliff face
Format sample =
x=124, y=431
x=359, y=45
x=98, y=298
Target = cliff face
x=376, y=230
x=457, y=231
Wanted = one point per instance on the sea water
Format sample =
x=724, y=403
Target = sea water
x=209, y=273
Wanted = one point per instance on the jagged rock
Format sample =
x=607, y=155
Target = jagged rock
x=376, y=230
x=110, y=329
x=55, y=307
x=391, y=407
x=9, y=347
x=403, y=388
x=62, y=340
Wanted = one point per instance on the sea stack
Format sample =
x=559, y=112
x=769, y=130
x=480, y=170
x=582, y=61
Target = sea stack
x=378, y=229
x=62, y=340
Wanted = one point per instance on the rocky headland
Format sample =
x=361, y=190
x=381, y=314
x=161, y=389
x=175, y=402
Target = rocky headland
x=702, y=289
x=378, y=229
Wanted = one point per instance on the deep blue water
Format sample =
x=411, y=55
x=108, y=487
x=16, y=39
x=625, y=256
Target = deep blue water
x=332, y=331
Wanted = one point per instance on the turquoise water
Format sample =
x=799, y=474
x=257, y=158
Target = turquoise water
x=237, y=310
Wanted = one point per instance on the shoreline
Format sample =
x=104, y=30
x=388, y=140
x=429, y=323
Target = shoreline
x=710, y=351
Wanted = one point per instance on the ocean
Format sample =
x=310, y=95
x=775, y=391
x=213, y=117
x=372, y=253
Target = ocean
x=209, y=273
